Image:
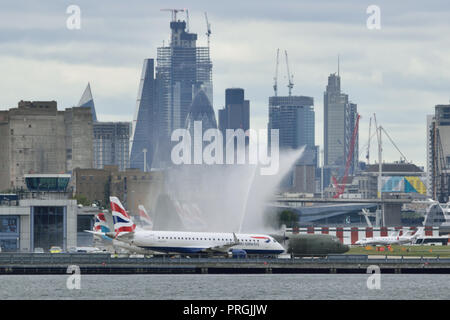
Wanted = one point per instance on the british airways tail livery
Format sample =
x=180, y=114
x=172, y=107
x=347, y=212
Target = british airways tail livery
x=103, y=231
x=187, y=242
x=145, y=218
x=122, y=221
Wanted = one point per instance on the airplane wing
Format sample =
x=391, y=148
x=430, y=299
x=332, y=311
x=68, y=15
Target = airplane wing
x=98, y=233
x=223, y=248
x=112, y=235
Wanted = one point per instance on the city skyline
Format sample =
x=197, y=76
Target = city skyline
x=397, y=70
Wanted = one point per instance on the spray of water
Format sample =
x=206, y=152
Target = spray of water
x=220, y=198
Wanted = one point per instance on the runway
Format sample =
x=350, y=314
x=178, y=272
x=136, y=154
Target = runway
x=31, y=263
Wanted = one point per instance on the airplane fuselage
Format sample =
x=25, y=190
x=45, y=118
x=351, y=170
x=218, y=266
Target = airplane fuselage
x=384, y=241
x=198, y=242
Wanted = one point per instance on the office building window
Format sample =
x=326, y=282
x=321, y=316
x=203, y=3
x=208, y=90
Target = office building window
x=48, y=227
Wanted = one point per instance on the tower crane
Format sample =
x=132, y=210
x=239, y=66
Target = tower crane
x=174, y=12
x=275, y=79
x=368, y=143
x=290, y=83
x=187, y=20
x=208, y=28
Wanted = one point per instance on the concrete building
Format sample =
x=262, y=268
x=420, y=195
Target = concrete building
x=399, y=179
x=438, y=153
x=304, y=179
x=132, y=186
x=111, y=144
x=37, y=138
x=41, y=216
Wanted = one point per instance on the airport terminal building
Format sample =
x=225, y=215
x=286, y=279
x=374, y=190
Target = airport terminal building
x=42, y=216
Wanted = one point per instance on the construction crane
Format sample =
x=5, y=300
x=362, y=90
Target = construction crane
x=187, y=20
x=340, y=188
x=174, y=12
x=440, y=179
x=368, y=143
x=290, y=82
x=275, y=79
x=208, y=28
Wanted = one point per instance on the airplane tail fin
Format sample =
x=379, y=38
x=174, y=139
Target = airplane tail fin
x=419, y=232
x=123, y=224
x=145, y=217
x=396, y=233
x=103, y=223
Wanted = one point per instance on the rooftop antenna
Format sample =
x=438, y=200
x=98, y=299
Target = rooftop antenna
x=368, y=143
x=275, y=84
x=187, y=20
x=290, y=83
x=208, y=28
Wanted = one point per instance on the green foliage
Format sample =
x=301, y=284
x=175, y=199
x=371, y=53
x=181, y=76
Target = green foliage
x=289, y=218
x=82, y=200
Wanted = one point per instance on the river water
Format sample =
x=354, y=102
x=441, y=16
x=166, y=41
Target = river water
x=224, y=287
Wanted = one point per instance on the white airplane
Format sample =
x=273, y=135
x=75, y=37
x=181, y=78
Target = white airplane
x=394, y=238
x=186, y=242
x=411, y=236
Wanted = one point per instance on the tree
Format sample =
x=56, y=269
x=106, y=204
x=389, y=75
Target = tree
x=289, y=218
x=82, y=200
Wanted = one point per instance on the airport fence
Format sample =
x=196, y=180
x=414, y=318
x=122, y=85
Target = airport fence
x=107, y=259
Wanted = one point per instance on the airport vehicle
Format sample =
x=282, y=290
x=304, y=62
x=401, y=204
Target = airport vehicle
x=394, y=238
x=186, y=242
x=55, y=249
x=432, y=241
x=84, y=250
x=238, y=253
x=314, y=244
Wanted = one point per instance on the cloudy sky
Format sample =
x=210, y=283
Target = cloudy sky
x=400, y=72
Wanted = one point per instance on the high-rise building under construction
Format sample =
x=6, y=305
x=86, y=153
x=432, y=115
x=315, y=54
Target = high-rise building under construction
x=182, y=69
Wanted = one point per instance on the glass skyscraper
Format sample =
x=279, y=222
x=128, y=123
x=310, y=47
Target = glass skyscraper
x=294, y=117
x=236, y=114
x=144, y=139
x=87, y=101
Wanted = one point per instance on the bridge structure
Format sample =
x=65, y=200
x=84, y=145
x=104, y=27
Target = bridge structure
x=390, y=207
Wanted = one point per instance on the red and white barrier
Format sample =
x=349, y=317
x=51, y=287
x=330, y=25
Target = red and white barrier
x=349, y=235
